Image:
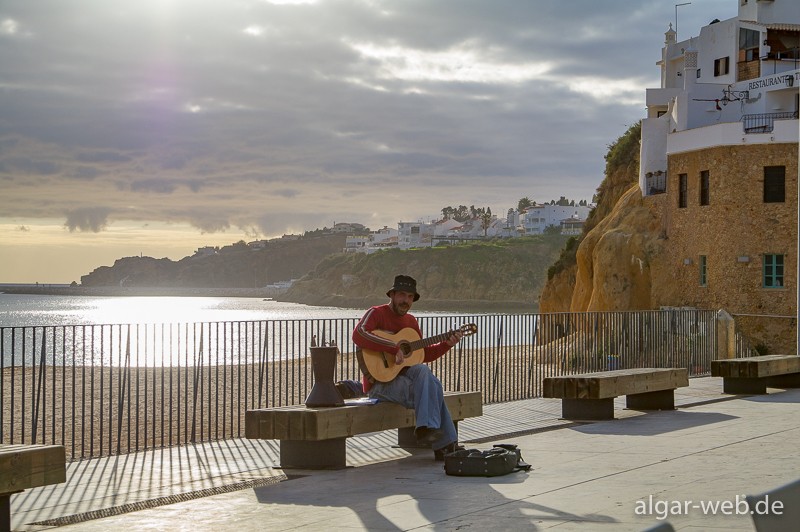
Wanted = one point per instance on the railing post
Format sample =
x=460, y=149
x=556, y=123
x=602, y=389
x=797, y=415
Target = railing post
x=726, y=335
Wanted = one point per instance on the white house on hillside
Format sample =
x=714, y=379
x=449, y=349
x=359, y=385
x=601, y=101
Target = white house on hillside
x=539, y=217
x=385, y=238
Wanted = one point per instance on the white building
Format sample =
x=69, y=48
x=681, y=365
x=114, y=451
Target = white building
x=348, y=227
x=414, y=234
x=719, y=161
x=354, y=243
x=735, y=83
x=572, y=225
x=539, y=217
x=385, y=238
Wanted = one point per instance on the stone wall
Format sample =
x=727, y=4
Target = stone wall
x=733, y=232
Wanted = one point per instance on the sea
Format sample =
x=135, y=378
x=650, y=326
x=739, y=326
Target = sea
x=107, y=330
x=23, y=310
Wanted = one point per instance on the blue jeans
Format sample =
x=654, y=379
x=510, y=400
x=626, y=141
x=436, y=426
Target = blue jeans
x=418, y=388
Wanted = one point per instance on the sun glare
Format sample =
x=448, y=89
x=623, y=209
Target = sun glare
x=255, y=31
x=148, y=310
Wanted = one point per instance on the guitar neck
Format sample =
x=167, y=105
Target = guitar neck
x=427, y=342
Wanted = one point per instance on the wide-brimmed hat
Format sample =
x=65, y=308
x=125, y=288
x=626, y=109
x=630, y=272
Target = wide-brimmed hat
x=404, y=283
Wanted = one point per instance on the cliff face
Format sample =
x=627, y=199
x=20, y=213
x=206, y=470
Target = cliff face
x=557, y=292
x=617, y=259
x=620, y=252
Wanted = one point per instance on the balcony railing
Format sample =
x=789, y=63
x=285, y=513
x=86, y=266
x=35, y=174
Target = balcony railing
x=656, y=182
x=109, y=389
x=764, y=123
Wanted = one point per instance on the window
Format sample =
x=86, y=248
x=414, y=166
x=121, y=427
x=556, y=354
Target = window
x=682, y=184
x=773, y=271
x=721, y=66
x=703, y=278
x=774, y=184
x=704, y=193
x=748, y=44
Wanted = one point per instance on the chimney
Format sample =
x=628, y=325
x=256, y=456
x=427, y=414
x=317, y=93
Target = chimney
x=689, y=67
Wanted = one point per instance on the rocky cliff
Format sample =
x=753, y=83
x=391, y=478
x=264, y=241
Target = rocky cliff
x=614, y=262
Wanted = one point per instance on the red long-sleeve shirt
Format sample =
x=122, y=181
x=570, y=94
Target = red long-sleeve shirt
x=383, y=318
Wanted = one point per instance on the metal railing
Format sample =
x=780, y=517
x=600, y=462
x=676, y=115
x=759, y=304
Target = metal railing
x=764, y=334
x=765, y=122
x=109, y=389
x=656, y=183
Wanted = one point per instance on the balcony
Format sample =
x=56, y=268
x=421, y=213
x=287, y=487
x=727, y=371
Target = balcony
x=764, y=122
x=656, y=182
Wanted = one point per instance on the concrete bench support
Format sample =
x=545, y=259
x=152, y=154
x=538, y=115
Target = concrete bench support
x=587, y=408
x=315, y=438
x=752, y=375
x=590, y=396
x=314, y=454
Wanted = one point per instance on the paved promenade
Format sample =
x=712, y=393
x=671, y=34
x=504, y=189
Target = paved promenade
x=623, y=474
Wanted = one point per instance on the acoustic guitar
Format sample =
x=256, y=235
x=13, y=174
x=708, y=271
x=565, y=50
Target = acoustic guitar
x=381, y=365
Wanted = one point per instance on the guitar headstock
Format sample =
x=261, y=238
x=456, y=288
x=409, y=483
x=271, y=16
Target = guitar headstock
x=468, y=329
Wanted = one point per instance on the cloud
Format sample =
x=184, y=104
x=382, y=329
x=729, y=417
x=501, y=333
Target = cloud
x=155, y=185
x=210, y=224
x=92, y=219
x=102, y=157
x=86, y=173
x=315, y=111
x=30, y=166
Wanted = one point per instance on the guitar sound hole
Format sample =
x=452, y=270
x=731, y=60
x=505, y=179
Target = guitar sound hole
x=406, y=348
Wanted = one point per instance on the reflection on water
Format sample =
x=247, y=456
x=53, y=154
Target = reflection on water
x=26, y=310
x=170, y=331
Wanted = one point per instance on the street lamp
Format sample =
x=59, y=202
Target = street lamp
x=676, y=18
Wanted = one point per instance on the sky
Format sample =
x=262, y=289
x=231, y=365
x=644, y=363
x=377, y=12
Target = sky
x=156, y=127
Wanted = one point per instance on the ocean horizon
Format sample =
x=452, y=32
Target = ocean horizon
x=26, y=310
x=157, y=325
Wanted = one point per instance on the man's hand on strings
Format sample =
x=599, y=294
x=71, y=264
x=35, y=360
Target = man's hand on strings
x=454, y=338
x=399, y=356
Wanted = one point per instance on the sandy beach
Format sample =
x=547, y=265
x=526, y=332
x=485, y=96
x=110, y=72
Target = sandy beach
x=104, y=411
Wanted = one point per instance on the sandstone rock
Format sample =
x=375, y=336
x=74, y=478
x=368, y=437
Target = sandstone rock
x=615, y=259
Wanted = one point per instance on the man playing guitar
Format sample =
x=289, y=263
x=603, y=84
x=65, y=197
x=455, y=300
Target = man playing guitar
x=414, y=386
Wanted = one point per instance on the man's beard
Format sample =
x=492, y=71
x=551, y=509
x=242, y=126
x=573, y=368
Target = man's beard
x=398, y=310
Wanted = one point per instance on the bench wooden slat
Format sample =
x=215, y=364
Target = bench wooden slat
x=314, y=424
x=756, y=367
x=752, y=375
x=590, y=396
x=30, y=466
x=610, y=384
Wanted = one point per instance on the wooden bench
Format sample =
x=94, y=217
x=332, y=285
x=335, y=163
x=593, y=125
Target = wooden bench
x=590, y=396
x=752, y=375
x=27, y=466
x=314, y=438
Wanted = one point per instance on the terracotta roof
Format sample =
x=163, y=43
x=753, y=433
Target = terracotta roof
x=775, y=25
